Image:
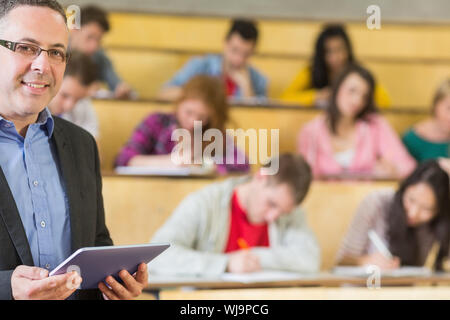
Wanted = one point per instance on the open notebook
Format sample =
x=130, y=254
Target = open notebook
x=397, y=273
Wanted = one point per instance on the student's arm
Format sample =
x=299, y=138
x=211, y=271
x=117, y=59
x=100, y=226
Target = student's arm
x=296, y=250
x=141, y=141
x=250, y=82
x=182, y=230
x=172, y=89
x=392, y=150
x=108, y=74
x=242, y=78
x=260, y=84
x=300, y=91
x=170, y=93
x=353, y=249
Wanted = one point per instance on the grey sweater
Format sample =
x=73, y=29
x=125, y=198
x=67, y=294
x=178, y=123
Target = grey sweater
x=198, y=232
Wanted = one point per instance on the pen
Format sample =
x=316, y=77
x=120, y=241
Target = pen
x=243, y=244
x=378, y=243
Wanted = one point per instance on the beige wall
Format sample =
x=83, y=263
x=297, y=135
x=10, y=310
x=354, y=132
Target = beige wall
x=355, y=10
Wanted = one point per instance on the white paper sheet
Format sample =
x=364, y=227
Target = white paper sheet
x=262, y=276
x=405, y=271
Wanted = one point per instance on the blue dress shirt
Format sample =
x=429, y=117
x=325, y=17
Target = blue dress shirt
x=32, y=170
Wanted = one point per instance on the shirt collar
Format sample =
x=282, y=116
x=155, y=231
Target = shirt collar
x=44, y=119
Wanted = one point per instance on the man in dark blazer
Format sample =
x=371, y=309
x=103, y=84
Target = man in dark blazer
x=50, y=182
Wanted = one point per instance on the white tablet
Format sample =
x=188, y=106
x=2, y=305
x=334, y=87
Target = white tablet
x=94, y=264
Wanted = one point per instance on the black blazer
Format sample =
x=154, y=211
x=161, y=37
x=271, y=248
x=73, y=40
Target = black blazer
x=77, y=153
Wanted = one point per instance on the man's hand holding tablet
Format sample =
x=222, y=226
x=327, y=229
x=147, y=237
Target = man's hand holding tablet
x=33, y=283
x=132, y=284
x=95, y=267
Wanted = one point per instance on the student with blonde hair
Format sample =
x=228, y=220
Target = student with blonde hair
x=430, y=139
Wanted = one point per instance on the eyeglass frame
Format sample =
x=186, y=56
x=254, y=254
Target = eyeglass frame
x=11, y=45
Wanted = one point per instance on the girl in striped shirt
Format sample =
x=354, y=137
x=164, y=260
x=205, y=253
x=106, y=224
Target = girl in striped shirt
x=409, y=220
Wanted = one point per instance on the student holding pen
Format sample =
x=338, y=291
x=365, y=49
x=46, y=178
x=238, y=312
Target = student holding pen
x=407, y=222
x=243, y=224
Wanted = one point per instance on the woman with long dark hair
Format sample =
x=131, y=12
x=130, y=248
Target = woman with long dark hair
x=332, y=54
x=410, y=221
x=350, y=138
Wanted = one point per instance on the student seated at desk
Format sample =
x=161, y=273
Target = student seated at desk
x=333, y=52
x=242, y=225
x=240, y=79
x=203, y=99
x=350, y=137
x=430, y=139
x=409, y=221
x=72, y=101
x=88, y=39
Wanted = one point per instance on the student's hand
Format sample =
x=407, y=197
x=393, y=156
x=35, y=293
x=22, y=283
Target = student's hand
x=322, y=97
x=381, y=261
x=444, y=163
x=33, y=283
x=123, y=91
x=243, y=261
x=131, y=288
x=386, y=169
x=242, y=78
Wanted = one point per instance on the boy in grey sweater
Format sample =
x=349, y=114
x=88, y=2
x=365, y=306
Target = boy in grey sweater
x=244, y=224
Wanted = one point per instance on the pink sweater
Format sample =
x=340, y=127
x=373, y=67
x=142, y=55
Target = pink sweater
x=375, y=139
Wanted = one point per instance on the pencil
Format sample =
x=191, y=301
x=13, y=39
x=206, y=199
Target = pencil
x=243, y=244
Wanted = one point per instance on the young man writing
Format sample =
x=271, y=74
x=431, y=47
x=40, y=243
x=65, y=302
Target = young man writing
x=243, y=224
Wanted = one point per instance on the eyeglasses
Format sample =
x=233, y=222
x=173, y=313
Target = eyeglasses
x=32, y=51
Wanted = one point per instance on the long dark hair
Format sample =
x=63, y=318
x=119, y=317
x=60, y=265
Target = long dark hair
x=319, y=68
x=402, y=241
x=332, y=111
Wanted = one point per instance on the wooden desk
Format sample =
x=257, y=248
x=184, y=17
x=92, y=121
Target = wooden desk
x=320, y=280
x=135, y=207
x=118, y=119
x=390, y=293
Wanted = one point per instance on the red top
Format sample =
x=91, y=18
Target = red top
x=230, y=86
x=242, y=232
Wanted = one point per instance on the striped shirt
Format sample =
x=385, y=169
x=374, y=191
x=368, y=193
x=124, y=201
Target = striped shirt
x=373, y=213
x=154, y=137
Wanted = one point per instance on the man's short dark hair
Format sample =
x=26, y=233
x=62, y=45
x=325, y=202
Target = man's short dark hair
x=95, y=14
x=295, y=172
x=244, y=28
x=7, y=5
x=81, y=67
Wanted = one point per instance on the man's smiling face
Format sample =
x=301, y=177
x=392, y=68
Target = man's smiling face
x=28, y=84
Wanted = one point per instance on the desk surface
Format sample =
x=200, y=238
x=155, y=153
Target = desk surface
x=348, y=293
x=321, y=280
